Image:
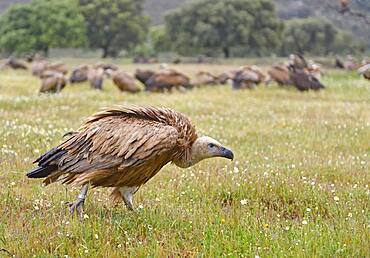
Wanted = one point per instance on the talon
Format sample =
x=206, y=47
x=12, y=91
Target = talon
x=76, y=207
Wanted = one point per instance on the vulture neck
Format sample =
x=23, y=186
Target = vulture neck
x=186, y=163
x=197, y=152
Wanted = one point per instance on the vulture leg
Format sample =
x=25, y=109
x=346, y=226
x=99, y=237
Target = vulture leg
x=77, y=205
x=59, y=87
x=127, y=193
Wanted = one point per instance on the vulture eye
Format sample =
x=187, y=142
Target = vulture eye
x=211, y=145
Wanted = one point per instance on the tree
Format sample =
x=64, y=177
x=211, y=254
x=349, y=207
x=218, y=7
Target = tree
x=221, y=25
x=314, y=36
x=113, y=25
x=41, y=25
x=159, y=39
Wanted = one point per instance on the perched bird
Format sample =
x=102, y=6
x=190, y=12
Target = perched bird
x=123, y=148
x=339, y=63
x=314, y=69
x=39, y=66
x=167, y=79
x=95, y=76
x=15, y=64
x=247, y=77
x=304, y=81
x=223, y=78
x=79, y=74
x=107, y=67
x=57, y=67
x=52, y=82
x=124, y=81
x=298, y=61
x=365, y=71
x=280, y=74
x=205, y=78
x=143, y=75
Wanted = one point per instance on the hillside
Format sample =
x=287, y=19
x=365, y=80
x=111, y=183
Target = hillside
x=286, y=9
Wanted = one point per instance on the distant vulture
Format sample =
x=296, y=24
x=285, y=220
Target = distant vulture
x=166, y=80
x=280, y=74
x=304, y=81
x=42, y=65
x=108, y=68
x=124, y=148
x=205, y=78
x=15, y=64
x=52, y=82
x=247, y=78
x=365, y=71
x=339, y=63
x=57, y=67
x=298, y=61
x=95, y=77
x=143, y=75
x=79, y=74
x=314, y=69
x=125, y=82
x=38, y=67
x=351, y=64
x=223, y=78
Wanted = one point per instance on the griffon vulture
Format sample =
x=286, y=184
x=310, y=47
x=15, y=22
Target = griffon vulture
x=16, y=64
x=143, y=75
x=365, y=71
x=124, y=148
x=247, y=77
x=280, y=74
x=205, y=78
x=52, y=82
x=304, y=81
x=167, y=79
x=125, y=82
x=79, y=74
x=95, y=76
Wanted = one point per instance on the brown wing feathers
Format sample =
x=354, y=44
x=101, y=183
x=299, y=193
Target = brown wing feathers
x=119, y=146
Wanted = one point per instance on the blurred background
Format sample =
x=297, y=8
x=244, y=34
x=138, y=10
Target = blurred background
x=145, y=30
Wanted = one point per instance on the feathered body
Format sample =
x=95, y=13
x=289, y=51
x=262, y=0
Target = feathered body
x=125, y=82
x=120, y=147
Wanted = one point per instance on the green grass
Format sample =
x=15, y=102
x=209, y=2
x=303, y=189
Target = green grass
x=299, y=186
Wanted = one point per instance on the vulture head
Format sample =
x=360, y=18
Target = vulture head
x=204, y=148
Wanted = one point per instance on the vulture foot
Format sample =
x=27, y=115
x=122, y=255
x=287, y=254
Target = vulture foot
x=127, y=195
x=77, y=206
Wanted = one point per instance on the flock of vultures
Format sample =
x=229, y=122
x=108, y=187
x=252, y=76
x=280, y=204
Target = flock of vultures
x=297, y=72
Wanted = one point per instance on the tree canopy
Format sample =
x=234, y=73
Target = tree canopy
x=113, y=25
x=41, y=25
x=214, y=25
x=314, y=36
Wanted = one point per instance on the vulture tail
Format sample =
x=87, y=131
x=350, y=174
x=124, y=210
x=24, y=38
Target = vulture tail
x=41, y=172
x=47, y=164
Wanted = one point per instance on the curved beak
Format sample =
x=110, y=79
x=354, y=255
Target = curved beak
x=226, y=153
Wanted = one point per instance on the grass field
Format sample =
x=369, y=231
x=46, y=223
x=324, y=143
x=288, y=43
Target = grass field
x=298, y=187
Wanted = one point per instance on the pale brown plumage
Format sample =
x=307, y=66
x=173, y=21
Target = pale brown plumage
x=124, y=81
x=39, y=66
x=205, y=78
x=52, y=82
x=365, y=71
x=125, y=147
x=280, y=74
